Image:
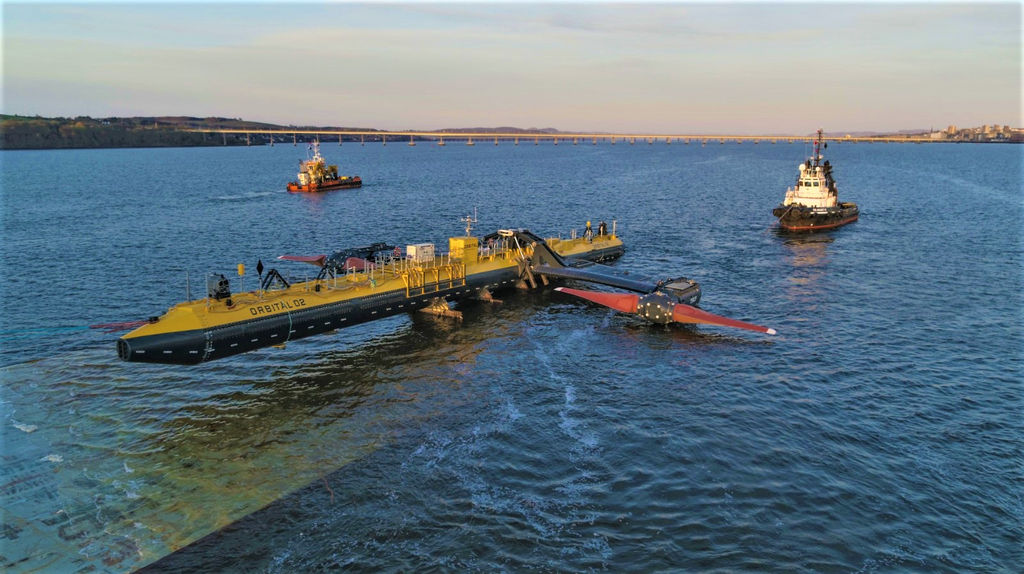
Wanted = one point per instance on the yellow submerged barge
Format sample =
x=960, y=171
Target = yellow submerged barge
x=357, y=286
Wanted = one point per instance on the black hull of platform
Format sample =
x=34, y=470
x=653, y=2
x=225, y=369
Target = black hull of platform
x=200, y=345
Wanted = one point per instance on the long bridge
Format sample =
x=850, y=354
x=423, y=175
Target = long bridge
x=472, y=138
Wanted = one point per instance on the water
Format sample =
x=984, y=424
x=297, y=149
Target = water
x=880, y=430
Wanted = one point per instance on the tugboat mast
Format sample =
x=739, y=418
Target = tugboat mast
x=817, y=148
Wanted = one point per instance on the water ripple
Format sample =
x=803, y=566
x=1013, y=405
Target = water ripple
x=879, y=431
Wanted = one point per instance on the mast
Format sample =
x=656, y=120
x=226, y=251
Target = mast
x=817, y=148
x=469, y=223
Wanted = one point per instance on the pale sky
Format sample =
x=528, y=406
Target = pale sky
x=741, y=68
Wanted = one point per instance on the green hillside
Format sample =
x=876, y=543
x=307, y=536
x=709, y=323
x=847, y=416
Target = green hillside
x=24, y=132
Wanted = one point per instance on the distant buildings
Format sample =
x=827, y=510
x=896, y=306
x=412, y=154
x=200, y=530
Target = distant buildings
x=986, y=133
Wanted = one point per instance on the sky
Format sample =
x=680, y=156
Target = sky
x=628, y=67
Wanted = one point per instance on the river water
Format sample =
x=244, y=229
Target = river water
x=880, y=430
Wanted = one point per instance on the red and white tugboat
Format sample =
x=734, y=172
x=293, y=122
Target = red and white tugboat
x=315, y=175
x=814, y=204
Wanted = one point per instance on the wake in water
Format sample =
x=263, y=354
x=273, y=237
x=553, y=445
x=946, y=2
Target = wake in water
x=244, y=196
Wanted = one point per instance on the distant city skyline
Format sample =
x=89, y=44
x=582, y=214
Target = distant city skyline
x=580, y=66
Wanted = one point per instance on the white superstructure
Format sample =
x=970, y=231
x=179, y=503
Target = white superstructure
x=814, y=188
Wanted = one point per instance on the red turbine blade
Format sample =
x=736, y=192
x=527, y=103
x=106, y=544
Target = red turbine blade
x=120, y=326
x=625, y=302
x=687, y=314
x=317, y=260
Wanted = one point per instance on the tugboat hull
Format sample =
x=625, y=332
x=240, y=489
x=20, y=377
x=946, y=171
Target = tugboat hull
x=348, y=183
x=797, y=218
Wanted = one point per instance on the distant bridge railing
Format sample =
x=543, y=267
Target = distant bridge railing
x=472, y=138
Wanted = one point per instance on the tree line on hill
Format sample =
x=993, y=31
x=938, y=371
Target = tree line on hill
x=35, y=132
x=22, y=132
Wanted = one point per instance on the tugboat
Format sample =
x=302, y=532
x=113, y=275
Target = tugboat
x=813, y=204
x=315, y=175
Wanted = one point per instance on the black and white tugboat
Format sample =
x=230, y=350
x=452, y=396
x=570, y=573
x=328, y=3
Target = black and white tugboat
x=814, y=204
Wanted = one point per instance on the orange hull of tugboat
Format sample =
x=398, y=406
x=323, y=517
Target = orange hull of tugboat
x=346, y=183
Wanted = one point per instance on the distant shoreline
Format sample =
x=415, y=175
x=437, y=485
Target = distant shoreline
x=39, y=133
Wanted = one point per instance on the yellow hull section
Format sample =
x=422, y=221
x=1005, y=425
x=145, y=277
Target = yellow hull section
x=203, y=329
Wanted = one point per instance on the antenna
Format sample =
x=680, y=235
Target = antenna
x=817, y=148
x=469, y=223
